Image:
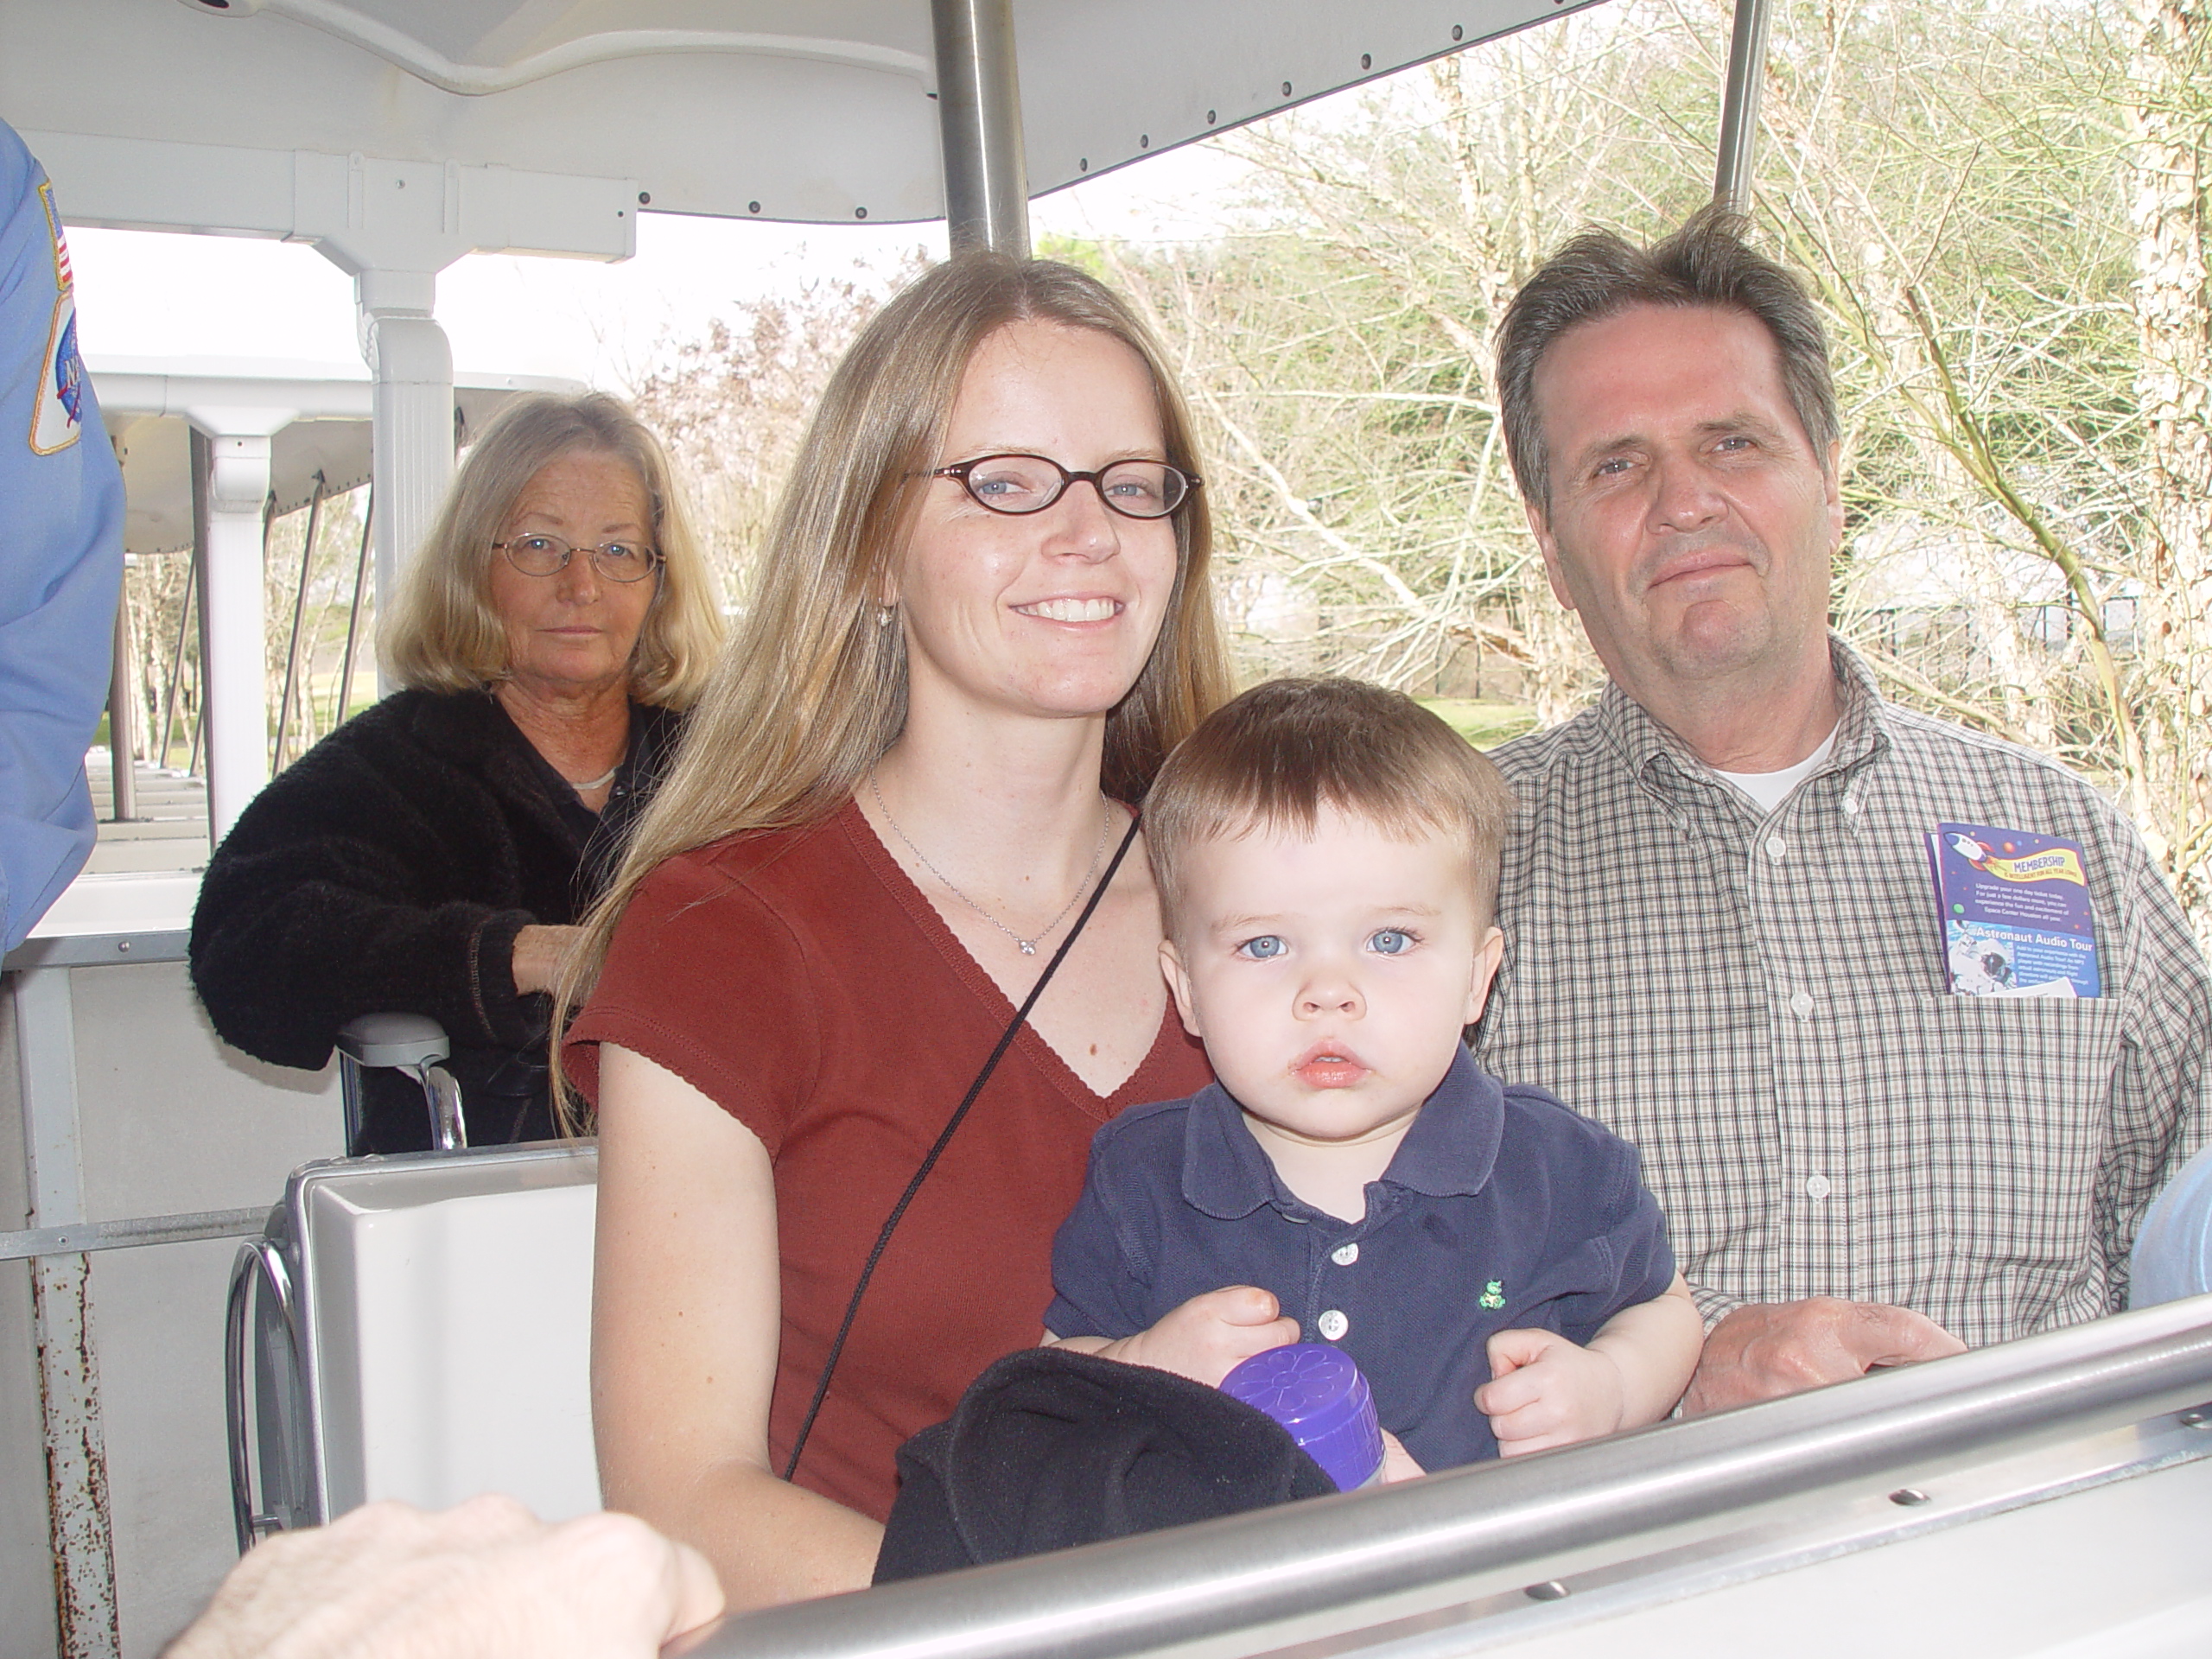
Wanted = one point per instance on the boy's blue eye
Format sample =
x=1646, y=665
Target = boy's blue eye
x=1391, y=943
x=1265, y=948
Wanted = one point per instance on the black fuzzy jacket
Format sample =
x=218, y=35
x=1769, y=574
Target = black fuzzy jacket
x=390, y=869
x=1051, y=1448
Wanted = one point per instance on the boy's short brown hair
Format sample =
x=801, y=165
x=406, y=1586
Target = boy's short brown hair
x=1273, y=758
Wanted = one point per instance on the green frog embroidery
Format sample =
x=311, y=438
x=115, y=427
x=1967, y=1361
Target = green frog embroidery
x=1493, y=1294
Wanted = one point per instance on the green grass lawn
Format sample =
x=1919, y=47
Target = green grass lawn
x=1485, y=725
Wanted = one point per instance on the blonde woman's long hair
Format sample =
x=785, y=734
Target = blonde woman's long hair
x=442, y=634
x=809, y=691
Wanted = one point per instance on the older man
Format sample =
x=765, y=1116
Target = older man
x=1722, y=935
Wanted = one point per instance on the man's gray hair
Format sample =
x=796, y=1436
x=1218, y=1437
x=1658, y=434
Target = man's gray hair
x=1706, y=262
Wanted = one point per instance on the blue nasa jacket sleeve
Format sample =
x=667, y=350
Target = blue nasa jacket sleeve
x=61, y=554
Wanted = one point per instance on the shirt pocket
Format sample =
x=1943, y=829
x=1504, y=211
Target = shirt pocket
x=1985, y=1125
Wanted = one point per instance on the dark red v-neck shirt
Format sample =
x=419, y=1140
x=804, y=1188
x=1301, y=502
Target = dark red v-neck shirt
x=803, y=983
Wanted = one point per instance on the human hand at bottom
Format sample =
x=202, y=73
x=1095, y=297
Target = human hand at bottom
x=1545, y=1391
x=1207, y=1337
x=1765, y=1350
x=485, y=1580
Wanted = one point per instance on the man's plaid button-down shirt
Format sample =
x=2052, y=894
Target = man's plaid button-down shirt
x=1759, y=1002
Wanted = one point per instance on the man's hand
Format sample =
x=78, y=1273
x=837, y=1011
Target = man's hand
x=483, y=1580
x=1205, y=1338
x=1765, y=1350
x=1545, y=1391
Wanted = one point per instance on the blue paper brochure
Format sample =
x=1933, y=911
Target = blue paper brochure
x=2015, y=911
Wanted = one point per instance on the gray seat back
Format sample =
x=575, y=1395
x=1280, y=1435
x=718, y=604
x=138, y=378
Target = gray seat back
x=416, y=1327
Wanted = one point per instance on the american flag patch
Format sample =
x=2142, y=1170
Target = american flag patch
x=63, y=279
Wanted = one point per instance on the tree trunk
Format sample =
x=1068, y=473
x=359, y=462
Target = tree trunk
x=2174, y=317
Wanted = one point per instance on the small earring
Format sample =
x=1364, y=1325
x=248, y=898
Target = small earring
x=883, y=615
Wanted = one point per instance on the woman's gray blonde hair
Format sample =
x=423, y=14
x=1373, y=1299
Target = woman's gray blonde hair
x=811, y=691
x=442, y=634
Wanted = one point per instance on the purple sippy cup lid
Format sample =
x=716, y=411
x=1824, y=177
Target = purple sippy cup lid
x=1317, y=1393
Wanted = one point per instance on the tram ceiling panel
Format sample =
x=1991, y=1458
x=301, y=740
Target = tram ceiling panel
x=813, y=110
x=318, y=415
x=1108, y=82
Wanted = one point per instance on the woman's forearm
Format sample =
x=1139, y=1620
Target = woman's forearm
x=686, y=1317
x=770, y=1541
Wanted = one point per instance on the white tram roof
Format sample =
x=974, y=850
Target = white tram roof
x=554, y=120
x=399, y=135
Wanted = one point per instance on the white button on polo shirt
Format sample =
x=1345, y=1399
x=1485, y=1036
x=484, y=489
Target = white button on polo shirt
x=1345, y=1255
x=1333, y=1325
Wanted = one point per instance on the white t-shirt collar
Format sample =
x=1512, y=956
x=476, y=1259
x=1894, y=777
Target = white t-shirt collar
x=1769, y=789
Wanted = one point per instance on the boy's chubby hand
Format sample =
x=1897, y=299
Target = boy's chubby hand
x=1546, y=1391
x=1207, y=1337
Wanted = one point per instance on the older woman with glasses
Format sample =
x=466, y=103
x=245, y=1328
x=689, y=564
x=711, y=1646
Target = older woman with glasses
x=981, y=619
x=432, y=855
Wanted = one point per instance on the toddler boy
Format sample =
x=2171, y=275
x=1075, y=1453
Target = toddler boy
x=1326, y=853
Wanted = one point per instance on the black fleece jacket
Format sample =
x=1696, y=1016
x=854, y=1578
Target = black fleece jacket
x=390, y=869
x=1051, y=1448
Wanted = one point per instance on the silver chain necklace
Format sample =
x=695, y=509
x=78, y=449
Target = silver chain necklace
x=1029, y=945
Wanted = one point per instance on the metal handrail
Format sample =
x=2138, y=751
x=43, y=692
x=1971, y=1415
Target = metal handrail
x=413, y=1043
x=354, y=614
x=1317, y=1562
x=122, y=726
x=131, y=1232
x=299, y=615
x=448, y=1129
x=176, y=664
x=260, y=1261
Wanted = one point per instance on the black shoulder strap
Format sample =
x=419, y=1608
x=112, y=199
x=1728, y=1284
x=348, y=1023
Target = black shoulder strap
x=944, y=1137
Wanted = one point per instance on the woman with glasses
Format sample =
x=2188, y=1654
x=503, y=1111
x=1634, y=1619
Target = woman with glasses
x=432, y=855
x=981, y=621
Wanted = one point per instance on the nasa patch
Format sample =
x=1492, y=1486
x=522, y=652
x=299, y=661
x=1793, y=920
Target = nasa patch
x=58, y=417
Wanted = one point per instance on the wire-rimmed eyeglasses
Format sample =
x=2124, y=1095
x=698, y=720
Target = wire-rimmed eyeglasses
x=549, y=556
x=1135, y=489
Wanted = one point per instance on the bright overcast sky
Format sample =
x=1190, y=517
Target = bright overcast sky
x=143, y=295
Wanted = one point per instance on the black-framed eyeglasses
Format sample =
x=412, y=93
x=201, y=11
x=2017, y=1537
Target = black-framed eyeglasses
x=1135, y=489
x=549, y=556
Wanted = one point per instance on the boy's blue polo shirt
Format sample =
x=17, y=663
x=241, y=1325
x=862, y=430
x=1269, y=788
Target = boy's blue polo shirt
x=1502, y=1209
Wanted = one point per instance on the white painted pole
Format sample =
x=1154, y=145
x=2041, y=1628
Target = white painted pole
x=412, y=465
x=122, y=727
x=237, y=715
